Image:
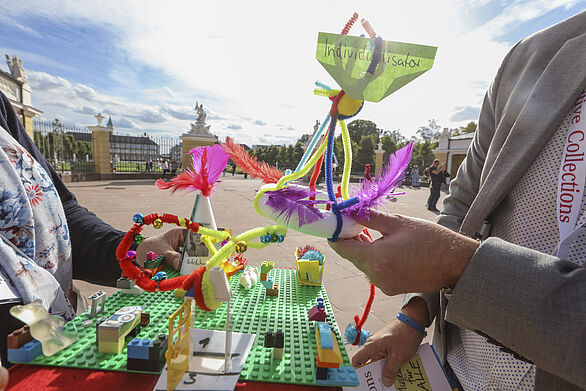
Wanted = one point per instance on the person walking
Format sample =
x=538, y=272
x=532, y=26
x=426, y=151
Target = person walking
x=415, y=177
x=437, y=174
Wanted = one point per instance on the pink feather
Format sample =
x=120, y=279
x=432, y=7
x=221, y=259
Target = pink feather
x=208, y=163
x=373, y=193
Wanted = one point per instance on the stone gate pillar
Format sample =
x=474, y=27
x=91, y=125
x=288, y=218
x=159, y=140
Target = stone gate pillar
x=101, y=146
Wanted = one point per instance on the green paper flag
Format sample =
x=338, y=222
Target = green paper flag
x=348, y=60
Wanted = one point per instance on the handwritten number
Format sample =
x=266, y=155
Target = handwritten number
x=192, y=377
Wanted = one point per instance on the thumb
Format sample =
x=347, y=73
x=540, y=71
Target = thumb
x=350, y=249
x=364, y=355
x=389, y=373
x=173, y=259
x=380, y=222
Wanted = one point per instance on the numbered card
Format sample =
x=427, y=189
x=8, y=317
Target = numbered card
x=206, y=364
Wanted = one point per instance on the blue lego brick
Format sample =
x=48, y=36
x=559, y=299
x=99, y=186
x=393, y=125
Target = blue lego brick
x=139, y=348
x=268, y=284
x=325, y=335
x=26, y=352
x=343, y=376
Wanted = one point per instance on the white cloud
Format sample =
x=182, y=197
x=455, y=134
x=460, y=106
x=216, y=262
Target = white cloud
x=125, y=123
x=467, y=113
x=43, y=81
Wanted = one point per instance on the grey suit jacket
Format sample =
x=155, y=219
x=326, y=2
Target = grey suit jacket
x=530, y=302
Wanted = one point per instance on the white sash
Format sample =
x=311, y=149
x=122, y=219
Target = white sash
x=571, y=178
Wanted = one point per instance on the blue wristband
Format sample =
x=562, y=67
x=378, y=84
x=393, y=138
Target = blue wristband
x=412, y=323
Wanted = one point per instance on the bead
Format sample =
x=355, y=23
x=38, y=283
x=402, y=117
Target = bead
x=280, y=238
x=274, y=238
x=138, y=238
x=160, y=276
x=265, y=239
x=151, y=256
x=131, y=254
x=158, y=223
x=241, y=247
x=137, y=218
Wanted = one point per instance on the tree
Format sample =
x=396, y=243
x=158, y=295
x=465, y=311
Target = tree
x=365, y=154
x=423, y=153
x=429, y=132
x=358, y=129
x=389, y=146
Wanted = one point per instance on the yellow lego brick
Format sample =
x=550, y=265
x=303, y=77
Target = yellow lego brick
x=111, y=347
x=180, y=293
x=328, y=357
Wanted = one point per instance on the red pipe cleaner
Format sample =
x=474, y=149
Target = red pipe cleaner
x=360, y=321
x=350, y=23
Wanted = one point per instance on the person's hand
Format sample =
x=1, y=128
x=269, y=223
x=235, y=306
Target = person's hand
x=413, y=255
x=3, y=378
x=396, y=341
x=165, y=245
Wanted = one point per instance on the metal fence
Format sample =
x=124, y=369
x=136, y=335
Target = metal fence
x=69, y=150
x=144, y=153
x=66, y=147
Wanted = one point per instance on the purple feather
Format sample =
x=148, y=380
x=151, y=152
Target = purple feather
x=373, y=193
x=295, y=199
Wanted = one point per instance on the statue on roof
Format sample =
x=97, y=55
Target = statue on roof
x=199, y=128
x=16, y=68
x=201, y=114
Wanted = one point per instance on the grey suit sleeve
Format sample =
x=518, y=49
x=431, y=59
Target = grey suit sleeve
x=532, y=303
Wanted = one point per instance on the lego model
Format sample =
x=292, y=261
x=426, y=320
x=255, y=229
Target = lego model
x=21, y=346
x=154, y=262
x=318, y=311
x=112, y=332
x=327, y=351
x=265, y=268
x=97, y=303
x=47, y=329
x=276, y=341
x=127, y=286
x=147, y=355
x=309, y=263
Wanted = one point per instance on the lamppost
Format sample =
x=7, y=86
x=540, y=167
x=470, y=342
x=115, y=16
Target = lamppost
x=58, y=129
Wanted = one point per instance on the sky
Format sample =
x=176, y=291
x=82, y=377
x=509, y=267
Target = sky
x=252, y=63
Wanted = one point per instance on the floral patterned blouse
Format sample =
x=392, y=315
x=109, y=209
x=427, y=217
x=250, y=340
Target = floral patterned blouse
x=35, y=248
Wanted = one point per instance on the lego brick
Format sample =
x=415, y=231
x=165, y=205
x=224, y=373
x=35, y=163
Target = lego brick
x=134, y=364
x=274, y=291
x=280, y=340
x=19, y=337
x=263, y=276
x=145, y=318
x=321, y=374
x=268, y=284
x=343, y=376
x=123, y=283
x=159, y=348
x=325, y=335
x=138, y=348
x=97, y=303
x=270, y=339
x=155, y=263
x=252, y=313
x=26, y=352
x=277, y=354
x=316, y=313
x=266, y=267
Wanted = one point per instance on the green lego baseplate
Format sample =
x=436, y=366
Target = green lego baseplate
x=253, y=312
x=84, y=352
